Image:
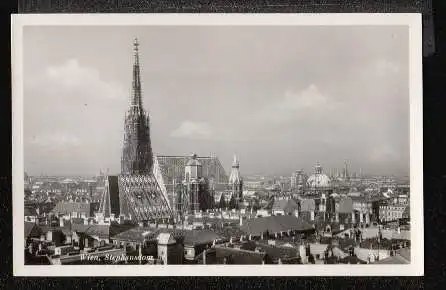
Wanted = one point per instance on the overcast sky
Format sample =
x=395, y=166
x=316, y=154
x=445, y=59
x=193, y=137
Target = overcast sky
x=281, y=98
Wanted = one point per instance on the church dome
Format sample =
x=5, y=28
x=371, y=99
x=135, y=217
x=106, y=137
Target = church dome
x=318, y=179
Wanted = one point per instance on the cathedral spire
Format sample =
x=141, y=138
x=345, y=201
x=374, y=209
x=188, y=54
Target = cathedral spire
x=136, y=88
x=137, y=156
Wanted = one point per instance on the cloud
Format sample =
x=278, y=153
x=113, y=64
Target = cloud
x=192, y=130
x=309, y=98
x=296, y=104
x=76, y=79
x=56, y=140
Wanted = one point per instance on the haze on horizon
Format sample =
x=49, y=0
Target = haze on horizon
x=281, y=98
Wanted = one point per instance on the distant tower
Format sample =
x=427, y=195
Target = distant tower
x=318, y=168
x=137, y=156
x=346, y=174
x=235, y=180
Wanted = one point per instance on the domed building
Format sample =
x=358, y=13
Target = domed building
x=318, y=182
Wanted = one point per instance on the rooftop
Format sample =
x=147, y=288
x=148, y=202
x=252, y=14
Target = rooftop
x=64, y=207
x=275, y=224
x=189, y=237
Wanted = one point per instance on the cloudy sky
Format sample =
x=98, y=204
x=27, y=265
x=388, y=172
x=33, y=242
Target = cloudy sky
x=281, y=98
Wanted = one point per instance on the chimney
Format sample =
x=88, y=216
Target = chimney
x=241, y=221
x=61, y=222
x=312, y=215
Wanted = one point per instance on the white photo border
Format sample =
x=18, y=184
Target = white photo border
x=412, y=20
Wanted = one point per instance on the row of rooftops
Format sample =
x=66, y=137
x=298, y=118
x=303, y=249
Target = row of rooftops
x=255, y=226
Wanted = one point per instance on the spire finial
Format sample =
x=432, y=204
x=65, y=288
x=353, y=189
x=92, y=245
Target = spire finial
x=235, y=162
x=136, y=94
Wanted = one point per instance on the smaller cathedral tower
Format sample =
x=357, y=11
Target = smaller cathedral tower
x=193, y=196
x=236, y=181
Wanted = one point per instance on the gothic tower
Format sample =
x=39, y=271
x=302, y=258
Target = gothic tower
x=137, y=156
x=235, y=180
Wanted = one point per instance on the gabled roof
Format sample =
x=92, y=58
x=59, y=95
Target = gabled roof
x=307, y=205
x=401, y=256
x=102, y=231
x=240, y=257
x=274, y=224
x=32, y=230
x=275, y=252
x=69, y=207
x=166, y=239
x=200, y=237
x=287, y=205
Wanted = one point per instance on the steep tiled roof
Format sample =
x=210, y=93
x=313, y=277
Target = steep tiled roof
x=173, y=167
x=274, y=224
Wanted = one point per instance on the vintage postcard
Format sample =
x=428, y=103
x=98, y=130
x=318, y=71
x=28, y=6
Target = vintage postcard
x=212, y=144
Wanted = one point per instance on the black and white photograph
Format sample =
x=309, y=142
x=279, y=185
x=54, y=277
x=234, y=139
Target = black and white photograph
x=217, y=144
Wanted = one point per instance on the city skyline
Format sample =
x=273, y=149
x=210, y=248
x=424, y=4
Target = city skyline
x=279, y=103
